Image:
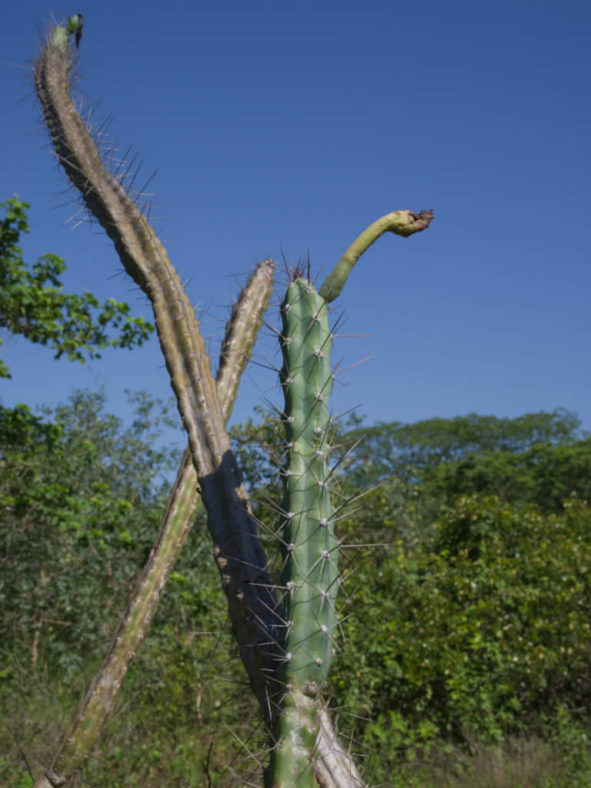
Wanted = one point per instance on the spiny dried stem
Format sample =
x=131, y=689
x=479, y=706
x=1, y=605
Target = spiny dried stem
x=240, y=558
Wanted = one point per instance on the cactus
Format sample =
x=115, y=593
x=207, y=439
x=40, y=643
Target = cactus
x=239, y=554
x=287, y=651
x=309, y=546
x=308, y=543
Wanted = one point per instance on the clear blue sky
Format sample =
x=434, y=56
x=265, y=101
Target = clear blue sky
x=294, y=125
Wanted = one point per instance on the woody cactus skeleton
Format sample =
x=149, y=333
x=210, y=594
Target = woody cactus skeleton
x=285, y=662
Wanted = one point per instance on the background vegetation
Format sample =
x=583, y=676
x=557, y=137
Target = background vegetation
x=467, y=628
x=465, y=656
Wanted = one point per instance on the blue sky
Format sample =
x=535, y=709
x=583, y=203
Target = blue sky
x=294, y=125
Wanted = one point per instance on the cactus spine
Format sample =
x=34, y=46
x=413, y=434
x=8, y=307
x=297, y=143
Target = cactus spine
x=309, y=545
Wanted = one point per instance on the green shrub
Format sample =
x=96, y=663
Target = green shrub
x=486, y=633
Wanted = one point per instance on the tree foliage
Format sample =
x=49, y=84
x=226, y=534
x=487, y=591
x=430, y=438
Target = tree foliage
x=81, y=497
x=540, y=458
x=467, y=620
x=411, y=450
x=34, y=305
x=77, y=494
x=484, y=631
x=544, y=474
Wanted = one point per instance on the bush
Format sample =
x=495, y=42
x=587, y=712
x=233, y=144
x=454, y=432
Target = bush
x=486, y=633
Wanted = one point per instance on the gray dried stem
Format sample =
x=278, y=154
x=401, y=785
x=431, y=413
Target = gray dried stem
x=239, y=555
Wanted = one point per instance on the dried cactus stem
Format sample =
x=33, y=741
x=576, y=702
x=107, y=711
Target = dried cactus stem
x=240, y=556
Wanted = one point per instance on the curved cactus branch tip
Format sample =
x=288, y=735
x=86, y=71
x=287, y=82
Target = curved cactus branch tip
x=403, y=223
x=63, y=31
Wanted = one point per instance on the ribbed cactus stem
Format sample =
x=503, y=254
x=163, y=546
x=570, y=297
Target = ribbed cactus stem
x=309, y=545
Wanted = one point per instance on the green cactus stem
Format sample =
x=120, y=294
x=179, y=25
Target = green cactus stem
x=402, y=223
x=309, y=546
